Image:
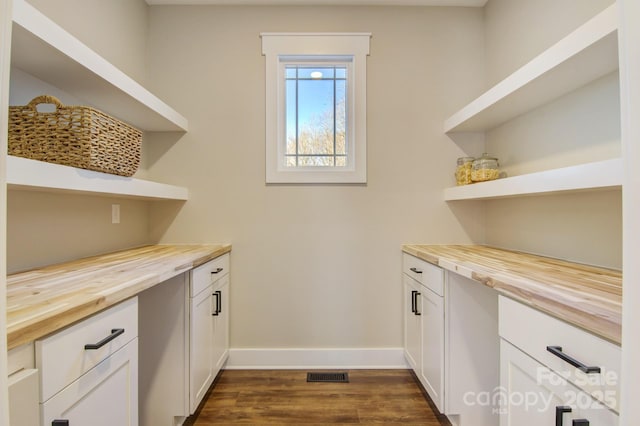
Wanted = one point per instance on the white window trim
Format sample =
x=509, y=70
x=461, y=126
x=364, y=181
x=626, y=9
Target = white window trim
x=278, y=47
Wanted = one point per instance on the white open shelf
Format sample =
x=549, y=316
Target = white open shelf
x=584, y=177
x=588, y=53
x=25, y=174
x=45, y=50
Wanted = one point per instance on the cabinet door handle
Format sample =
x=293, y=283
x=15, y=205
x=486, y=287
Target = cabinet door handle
x=217, y=271
x=580, y=422
x=416, y=298
x=219, y=301
x=217, y=308
x=557, y=351
x=413, y=301
x=115, y=332
x=560, y=410
x=416, y=270
x=60, y=423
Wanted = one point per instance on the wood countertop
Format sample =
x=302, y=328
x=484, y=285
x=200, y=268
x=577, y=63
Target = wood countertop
x=44, y=300
x=587, y=296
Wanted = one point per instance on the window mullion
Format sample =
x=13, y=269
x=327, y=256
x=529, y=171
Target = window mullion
x=334, y=116
x=297, y=138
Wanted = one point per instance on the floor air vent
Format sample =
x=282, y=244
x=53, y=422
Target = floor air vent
x=328, y=377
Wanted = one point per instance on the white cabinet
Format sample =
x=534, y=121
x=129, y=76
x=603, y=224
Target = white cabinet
x=89, y=371
x=546, y=363
x=209, y=322
x=221, y=323
x=424, y=324
x=105, y=396
x=533, y=395
x=412, y=324
x=202, y=326
x=23, y=398
x=432, y=371
x=451, y=340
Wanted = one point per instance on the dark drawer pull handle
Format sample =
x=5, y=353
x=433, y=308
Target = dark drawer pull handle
x=217, y=271
x=218, y=295
x=60, y=423
x=115, y=332
x=416, y=270
x=557, y=351
x=560, y=410
x=580, y=422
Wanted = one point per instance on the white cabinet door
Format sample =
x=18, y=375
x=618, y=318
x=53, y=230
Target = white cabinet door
x=432, y=313
x=412, y=324
x=532, y=395
x=221, y=324
x=106, y=395
x=201, y=346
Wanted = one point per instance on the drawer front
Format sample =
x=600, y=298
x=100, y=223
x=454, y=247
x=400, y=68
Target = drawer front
x=428, y=275
x=205, y=275
x=62, y=357
x=533, y=331
x=106, y=396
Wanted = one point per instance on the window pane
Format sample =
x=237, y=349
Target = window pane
x=291, y=72
x=315, y=72
x=291, y=161
x=315, y=116
x=291, y=116
x=341, y=161
x=309, y=160
x=341, y=72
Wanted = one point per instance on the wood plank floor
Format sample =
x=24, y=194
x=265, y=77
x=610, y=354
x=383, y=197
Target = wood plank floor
x=390, y=397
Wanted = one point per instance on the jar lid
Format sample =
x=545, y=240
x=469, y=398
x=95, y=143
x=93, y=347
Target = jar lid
x=462, y=160
x=486, y=156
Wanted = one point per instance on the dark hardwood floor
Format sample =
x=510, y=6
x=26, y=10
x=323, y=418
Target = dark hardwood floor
x=389, y=397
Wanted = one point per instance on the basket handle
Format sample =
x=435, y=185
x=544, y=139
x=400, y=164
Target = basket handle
x=45, y=99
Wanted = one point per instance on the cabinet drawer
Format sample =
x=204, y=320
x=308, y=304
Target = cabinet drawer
x=106, y=396
x=533, y=332
x=428, y=275
x=62, y=357
x=204, y=275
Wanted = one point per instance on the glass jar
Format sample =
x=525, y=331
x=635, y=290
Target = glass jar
x=485, y=168
x=463, y=171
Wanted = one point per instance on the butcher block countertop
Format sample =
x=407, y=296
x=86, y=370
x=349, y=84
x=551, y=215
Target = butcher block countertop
x=587, y=296
x=44, y=300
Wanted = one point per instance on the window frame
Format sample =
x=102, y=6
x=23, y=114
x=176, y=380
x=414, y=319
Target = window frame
x=281, y=49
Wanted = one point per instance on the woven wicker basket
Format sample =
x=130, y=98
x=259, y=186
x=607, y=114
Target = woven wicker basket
x=75, y=136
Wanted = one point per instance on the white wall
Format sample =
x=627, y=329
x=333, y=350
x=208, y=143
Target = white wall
x=47, y=228
x=116, y=29
x=518, y=30
x=313, y=265
x=580, y=127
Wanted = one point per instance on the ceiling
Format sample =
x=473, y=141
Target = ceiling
x=473, y=3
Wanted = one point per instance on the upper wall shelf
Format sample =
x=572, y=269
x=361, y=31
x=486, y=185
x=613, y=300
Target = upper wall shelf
x=43, y=49
x=25, y=174
x=605, y=174
x=588, y=53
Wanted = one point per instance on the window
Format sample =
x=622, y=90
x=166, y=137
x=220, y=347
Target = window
x=316, y=107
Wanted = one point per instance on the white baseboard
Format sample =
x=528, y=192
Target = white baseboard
x=291, y=359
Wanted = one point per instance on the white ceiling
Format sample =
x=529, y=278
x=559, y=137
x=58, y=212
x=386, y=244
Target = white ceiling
x=473, y=3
